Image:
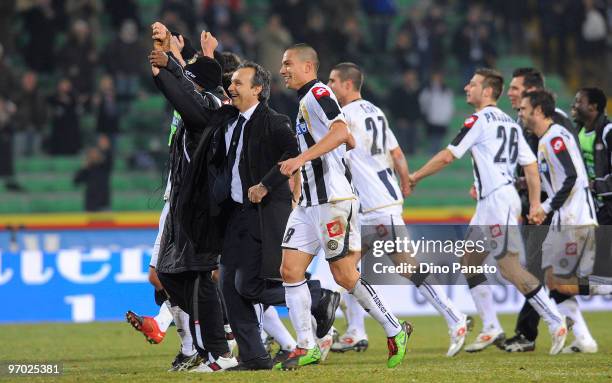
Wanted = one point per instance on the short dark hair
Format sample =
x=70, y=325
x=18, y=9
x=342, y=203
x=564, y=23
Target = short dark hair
x=492, y=79
x=542, y=98
x=532, y=78
x=261, y=77
x=231, y=61
x=595, y=96
x=350, y=71
x=306, y=52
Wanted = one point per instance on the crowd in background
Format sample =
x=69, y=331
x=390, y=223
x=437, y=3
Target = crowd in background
x=64, y=60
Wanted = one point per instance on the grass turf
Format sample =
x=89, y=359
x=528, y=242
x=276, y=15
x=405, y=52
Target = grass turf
x=114, y=352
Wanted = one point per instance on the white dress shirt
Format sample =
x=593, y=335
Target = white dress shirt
x=236, y=186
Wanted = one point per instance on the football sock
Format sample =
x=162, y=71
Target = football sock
x=436, y=296
x=570, y=309
x=164, y=317
x=297, y=297
x=483, y=300
x=181, y=320
x=595, y=285
x=547, y=309
x=355, y=314
x=376, y=307
x=277, y=330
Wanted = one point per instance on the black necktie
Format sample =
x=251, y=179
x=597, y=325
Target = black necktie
x=231, y=154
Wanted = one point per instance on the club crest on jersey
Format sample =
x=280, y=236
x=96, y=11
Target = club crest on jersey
x=319, y=92
x=496, y=231
x=470, y=121
x=557, y=145
x=571, y=248
x=334, y=228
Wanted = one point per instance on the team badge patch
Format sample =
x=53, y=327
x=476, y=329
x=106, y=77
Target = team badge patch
x=334, y=228
x=332, y=244
x=382, y=231
x=319, y=92
x=470, y=121
x=571, y=248
x=496, y=231
x=557, y=145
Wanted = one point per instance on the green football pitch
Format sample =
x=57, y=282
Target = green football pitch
x=114, y=352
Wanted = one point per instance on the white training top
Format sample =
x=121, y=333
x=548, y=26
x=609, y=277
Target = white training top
x=370, y=162
x=497, y=144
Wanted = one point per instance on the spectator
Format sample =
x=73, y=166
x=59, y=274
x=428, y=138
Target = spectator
x=7, y=166
x=354, y=47
x=7, y=18
x=320, y=37
x=273, y=40
x=247, y=39
x=472, y=46
x=592, y=43
x=405, y=53
x=41, y=25
x=219, y=15
x=95, y=174
x=436, y=101
x=87, y=10
x=292, y=13
x=31, y=115
x=123, y=60
x=8, y=80
x=403, y=104
x=380, y=15
x=437, y=28
x=108, y=110
x=78, y=59
x=184, y=11
x=421, y=41
x=121, y=10
x=65, y=137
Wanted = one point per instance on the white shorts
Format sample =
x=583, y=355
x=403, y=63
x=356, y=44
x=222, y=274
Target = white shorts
x=385, y=225
x=328, y=226
x=496, y=222
x=162, y=222
x=570, y=251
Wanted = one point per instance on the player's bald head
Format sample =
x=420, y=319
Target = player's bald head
x=305, y=53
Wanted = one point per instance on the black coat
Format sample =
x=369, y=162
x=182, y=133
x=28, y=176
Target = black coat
x=191, y=239
x=268, y=138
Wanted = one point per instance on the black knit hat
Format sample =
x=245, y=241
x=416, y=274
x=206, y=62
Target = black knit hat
x=205, y=72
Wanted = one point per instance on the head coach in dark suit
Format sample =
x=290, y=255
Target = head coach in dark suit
x=249, y=140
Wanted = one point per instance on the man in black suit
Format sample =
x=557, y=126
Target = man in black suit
x=250, y=139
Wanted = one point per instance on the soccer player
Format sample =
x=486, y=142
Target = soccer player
x=326, y=213
x=371, y=162
x=569, y=248
x=497, y=146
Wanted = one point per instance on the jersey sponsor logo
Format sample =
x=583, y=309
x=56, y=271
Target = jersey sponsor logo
x=301, y=128
x=557, y=145
x=334, y=228
x=470, y=121
x=320, y=92
x=571, y=248
x=496, y=231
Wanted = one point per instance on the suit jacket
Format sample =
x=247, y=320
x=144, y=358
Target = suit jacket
x=268, y=138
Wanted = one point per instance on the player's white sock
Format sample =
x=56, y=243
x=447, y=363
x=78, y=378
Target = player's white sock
x=436, y=296
x=570, y=309
x=181, y=320
x=164, y=317
x=297, y=296
x=483, y=300
x=373, y=304
x=355, y=314
x=539, y=300
x=277, y=330
x=599, y=285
